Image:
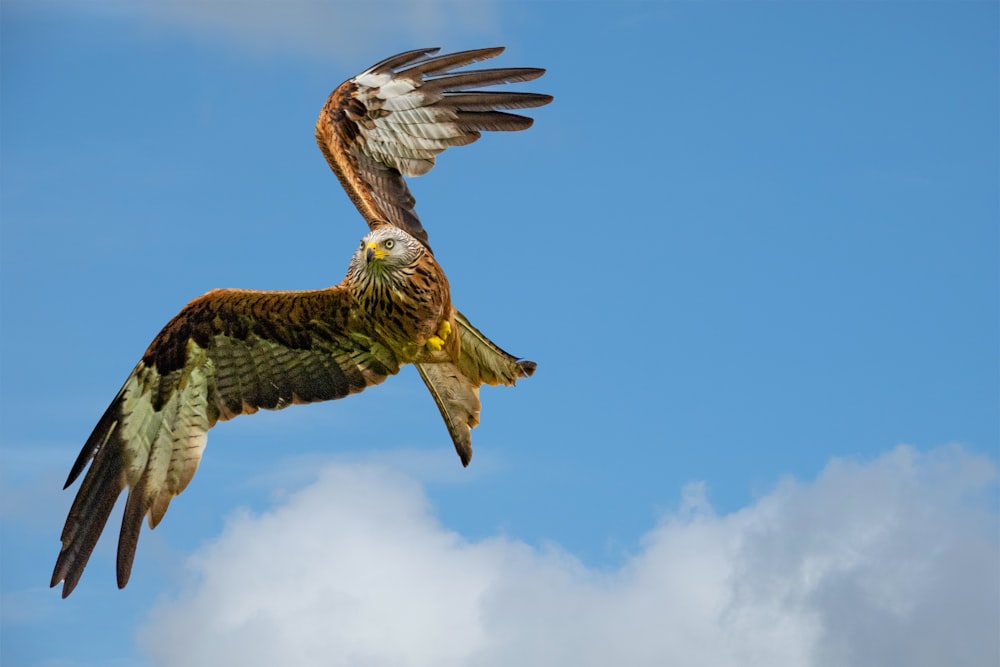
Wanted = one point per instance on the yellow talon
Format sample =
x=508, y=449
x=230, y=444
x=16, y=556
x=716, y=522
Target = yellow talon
x=444, y=329
x=435, y=343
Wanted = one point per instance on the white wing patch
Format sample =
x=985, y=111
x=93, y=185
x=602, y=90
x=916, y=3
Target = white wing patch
x=164, y=447
x=413, y=132
x=389, y=87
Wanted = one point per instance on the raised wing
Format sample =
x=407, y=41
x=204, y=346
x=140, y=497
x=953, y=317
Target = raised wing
x=227, y=353
x=394, y=118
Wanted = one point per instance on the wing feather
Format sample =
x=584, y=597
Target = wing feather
x=393, y=119
x=227, y=353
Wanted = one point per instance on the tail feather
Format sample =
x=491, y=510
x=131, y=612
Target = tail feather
x=484, y=362
x=458, y=401
x=455, y=386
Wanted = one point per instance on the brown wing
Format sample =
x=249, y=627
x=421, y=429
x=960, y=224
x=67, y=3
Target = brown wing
x=392, y=120
x=227, y=353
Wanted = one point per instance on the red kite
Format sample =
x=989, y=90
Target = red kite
x=232, y=352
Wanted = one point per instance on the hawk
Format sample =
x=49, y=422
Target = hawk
x=232, y=352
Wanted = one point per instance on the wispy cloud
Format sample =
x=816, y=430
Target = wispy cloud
x=342, y=30
x=887, y=562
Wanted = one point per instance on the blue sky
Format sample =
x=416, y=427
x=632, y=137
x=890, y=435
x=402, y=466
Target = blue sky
x=752, y=246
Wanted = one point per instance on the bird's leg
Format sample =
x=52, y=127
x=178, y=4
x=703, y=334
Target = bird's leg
x=435, y=343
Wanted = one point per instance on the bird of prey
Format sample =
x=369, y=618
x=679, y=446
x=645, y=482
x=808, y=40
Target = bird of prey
x=231, y=352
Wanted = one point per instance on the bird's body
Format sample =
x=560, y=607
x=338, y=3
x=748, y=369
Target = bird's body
x=403, y=297
x=233, y=352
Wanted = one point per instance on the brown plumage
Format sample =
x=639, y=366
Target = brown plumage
x=233, y=352
x=389, y=122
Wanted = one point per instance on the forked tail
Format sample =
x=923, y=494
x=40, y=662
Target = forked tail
x=455, y=387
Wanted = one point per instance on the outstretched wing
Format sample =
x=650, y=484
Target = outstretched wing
x=227, y=353
x=394, y=118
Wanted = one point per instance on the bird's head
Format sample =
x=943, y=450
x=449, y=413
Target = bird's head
x=386, y=249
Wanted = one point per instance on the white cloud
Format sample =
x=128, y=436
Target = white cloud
x=888, y=562
x=332, y=28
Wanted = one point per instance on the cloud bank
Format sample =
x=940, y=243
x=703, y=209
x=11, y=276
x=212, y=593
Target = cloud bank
x=891, y=562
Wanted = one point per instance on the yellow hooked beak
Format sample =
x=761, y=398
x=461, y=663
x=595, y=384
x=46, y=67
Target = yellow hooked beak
x=372, y=251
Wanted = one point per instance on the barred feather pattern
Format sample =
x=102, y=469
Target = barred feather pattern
x=228, y=353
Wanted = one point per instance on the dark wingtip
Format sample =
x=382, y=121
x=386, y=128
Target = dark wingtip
x=527, y=367
x=402, y=59
x=55, y=581
x=69, y=585
x=61, y=574
x=532, y=73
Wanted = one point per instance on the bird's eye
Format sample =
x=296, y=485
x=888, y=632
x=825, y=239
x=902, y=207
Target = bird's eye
x=389, y=243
